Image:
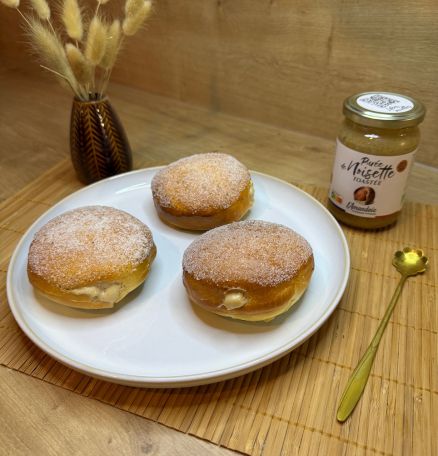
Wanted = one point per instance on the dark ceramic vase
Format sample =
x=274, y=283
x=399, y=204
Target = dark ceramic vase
x=98, y=143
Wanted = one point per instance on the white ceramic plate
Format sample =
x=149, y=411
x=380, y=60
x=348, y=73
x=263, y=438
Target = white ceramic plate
x=155, y=337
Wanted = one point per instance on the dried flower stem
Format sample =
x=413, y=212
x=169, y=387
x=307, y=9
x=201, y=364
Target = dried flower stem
x=23, y=17
x=77, y=93
x=42, y=8
x=51, y=51
x=114, y=42
x=97, y=44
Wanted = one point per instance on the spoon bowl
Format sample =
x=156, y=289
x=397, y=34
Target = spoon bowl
x=409, y=261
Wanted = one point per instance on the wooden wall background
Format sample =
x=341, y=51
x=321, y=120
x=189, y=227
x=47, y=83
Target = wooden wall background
x=289, y=63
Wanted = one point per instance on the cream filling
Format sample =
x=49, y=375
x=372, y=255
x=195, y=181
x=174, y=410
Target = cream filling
x=251, y=193
x=234, y=300
x=104, y=293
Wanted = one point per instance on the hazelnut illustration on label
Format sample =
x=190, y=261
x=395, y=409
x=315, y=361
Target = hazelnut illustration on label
x=369, y=185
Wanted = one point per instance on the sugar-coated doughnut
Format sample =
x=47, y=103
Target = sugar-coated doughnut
x=251, y=270
x=202, y=191
x=90, y=257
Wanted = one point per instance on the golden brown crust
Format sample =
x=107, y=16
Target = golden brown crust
x=202, y=191
x=90, y=257
x=128, y=282
x=262, y=303
x=252, y=270
x=210, y=219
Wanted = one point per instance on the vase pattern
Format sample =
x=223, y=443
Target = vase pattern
x=98, y=143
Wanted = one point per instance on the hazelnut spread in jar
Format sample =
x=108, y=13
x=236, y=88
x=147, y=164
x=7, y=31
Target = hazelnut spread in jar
x=374, y=154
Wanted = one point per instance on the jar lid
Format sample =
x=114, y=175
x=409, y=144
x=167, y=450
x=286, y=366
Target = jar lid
x=384, y=110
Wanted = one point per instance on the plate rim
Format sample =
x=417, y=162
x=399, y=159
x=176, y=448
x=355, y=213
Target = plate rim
x=174, y=381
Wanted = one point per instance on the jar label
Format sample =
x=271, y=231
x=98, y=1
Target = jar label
x=387, y=103
x=369, y=185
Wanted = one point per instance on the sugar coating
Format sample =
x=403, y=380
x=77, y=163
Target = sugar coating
x=87, y=244
x=200, y=182
x=251, y=251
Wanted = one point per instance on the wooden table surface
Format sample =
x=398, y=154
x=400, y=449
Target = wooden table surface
x=39, y=418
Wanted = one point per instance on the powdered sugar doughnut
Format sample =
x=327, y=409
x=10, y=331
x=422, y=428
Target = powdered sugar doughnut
x=90, y=257
x=202, y=191
x=251, y=270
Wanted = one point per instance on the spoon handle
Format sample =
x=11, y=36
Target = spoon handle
x=358, y=379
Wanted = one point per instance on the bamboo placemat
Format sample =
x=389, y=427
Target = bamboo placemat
x=289, y=406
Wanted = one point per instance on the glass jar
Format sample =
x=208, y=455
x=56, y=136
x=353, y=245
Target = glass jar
x=374, y=154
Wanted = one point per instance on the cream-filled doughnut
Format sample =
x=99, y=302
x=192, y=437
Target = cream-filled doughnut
x=90, y=257
x=251, y=270
x=202, y=191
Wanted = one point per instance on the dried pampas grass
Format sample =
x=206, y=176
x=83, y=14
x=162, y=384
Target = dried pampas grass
x=132, y=6
x=51, y=52
x=11, y=3
x=42, y=9
x=81, y=67
x=113, y=39
x=136, y=15
x=47, y=44
x=72, y=19
x=96, y=41
x=85, y=64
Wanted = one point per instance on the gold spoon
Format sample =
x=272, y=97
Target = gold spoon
x=410, y=262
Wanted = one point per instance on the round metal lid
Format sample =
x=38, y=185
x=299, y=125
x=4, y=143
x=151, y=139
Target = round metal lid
x=384, y=110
